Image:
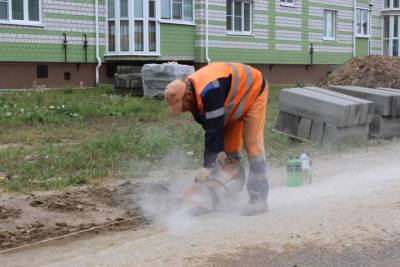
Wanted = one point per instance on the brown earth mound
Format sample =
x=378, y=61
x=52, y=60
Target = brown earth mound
x=9, y=213
x=370, y=71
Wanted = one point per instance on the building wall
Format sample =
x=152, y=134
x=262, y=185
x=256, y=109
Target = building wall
x=45, y=44
x=377, y=28
x=282, y=35
x=177, y=42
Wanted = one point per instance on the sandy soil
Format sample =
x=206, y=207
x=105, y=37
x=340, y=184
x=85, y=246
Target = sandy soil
x=29, y=218
x=353, y=205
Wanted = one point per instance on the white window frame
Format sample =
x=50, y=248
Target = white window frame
x=25, y=21
x=368, y=34
x=391, y=6
x=182, y=21
x=131, y=17
x=288, y=3
x=242, y=32
x=329, y=38
x=391, y=34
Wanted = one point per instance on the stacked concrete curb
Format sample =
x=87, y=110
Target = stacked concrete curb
x=323, y=116
x=386, y=119
x=128, y=80
x=157, y=76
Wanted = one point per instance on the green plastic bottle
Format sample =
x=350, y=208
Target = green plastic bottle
x=294, y=172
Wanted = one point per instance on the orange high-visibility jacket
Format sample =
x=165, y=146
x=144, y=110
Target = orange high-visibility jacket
x=224, y=92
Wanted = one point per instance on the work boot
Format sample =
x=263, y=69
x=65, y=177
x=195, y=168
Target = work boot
x=256, y=205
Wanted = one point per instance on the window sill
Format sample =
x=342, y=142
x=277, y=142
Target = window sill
x=233, y=33
x=329, y=39
x=288, y=5
x=22, y=23
x=179, y=22
x=132, y=54
x=386, y=10
x=362, y=36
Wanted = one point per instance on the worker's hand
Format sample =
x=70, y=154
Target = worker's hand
x=202, y=175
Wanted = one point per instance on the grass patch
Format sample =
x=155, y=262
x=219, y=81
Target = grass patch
x=73, y=137
x=60, y=106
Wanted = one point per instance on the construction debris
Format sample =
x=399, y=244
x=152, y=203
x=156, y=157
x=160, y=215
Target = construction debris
x=323, y=116
x=386, y=120
x=157, y=76
x=370, y=71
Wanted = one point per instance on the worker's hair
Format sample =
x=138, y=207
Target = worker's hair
x=189, y=85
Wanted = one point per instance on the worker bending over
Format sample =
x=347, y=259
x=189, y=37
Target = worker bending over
x=229, y=100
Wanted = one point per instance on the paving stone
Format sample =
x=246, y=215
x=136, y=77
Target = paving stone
x=362, y=111
x=350, y=134
x=382, y=99
x=304, y=129
x=287, y=123
x=385, y=126
x=157, y=76
x=396, y=100
x=317, y=131
x=316, y=106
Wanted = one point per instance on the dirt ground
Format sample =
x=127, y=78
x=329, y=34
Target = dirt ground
x=349, y=216
x=38, y=216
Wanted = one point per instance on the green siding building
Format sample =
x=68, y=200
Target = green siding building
x=79, y=42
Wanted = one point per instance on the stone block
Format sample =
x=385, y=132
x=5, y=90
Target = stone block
x=157, y=76
x=350, y=134
x=287, y=123
x=317, y=131
x=381, y=98
x=316, y=106
x=304, y=129
x=396, y=100
x=362, y=110
x=385, y=126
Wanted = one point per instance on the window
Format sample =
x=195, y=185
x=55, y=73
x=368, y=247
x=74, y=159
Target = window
x=111, y=25
x=287, y=2
x=363, y=21
x=329, y=25
x=239, y=16
x=3, y=9
x=177, y=10
x=392, y=4
x=391, y=35
x=133, y=27
x=42, y=71
x=20, y=11
x=124, y=25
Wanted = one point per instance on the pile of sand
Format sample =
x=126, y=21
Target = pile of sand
x=370, y=71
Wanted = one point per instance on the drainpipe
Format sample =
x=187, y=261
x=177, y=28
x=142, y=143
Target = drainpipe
x=354, y=27
x=206, y=44
x=97, y=44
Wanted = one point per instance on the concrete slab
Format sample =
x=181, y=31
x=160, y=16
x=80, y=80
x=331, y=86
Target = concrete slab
x=316, y=106
x=304, y=129
x=350, y=134
x=363, y=110
x=385, y=126
x=317, y=131
x=396, y=100
x=287, y=123
x=382, y=99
